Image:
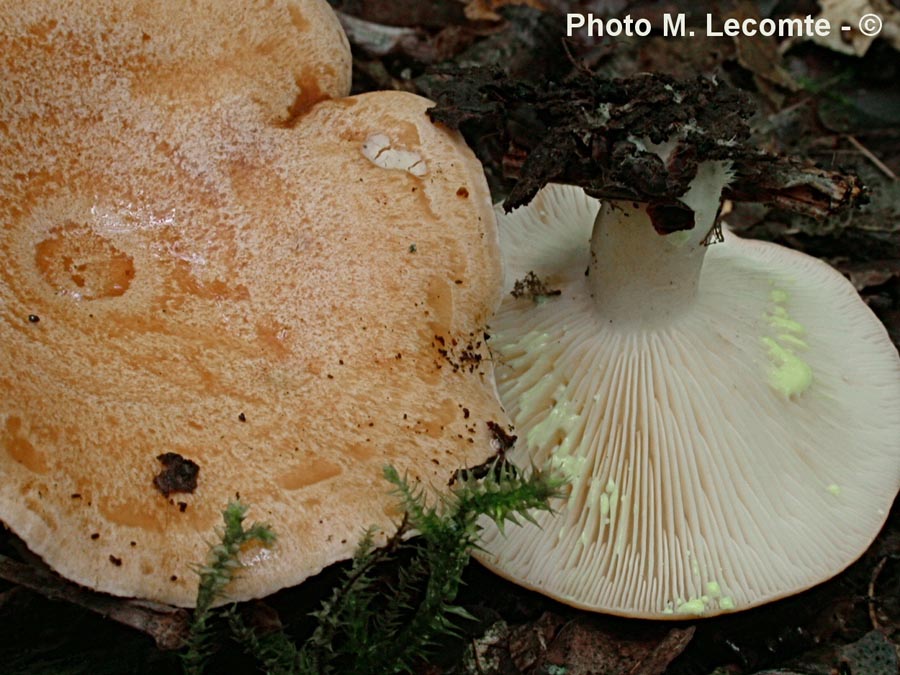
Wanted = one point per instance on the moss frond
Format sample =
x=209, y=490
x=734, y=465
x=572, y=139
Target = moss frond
x=221, y=567
x=395, y=602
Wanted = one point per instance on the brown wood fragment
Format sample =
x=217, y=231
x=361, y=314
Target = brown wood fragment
x=167, y=625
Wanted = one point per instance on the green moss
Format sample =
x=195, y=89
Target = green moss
x=370, y=624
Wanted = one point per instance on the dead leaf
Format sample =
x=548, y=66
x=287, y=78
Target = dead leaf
x=591, y=646
x=375, y=38
x=489, y=654
x=379, y=40
x=487, y=10
x=761, y=57
x=408, y=13
x=850, y=13
x=528, y=643
x=869, y=273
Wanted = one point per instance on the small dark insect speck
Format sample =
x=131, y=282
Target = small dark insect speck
x=34, y=318
x=174, y=577
x=242, y=417
x=115, y=561
x=182, y=506
x=95, y=536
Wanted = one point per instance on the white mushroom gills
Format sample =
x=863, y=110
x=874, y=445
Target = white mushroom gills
x=728, y=415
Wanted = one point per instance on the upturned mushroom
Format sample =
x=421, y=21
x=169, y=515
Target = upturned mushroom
x=728, y=414
x=221, y=276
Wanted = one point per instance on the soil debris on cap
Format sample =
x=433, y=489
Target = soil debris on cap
x=600, y=134
x=178, y=474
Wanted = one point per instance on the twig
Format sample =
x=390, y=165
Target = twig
x=873, y=614
x=868, y=154
x=165, y=624
x=477, y=660
x=796, y=187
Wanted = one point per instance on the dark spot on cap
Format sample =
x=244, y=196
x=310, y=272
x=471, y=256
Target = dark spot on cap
x=115, y=561
x=34, y=318
x=242, y=417
x=182, y=506
x=462, y=192
x=178, y=474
